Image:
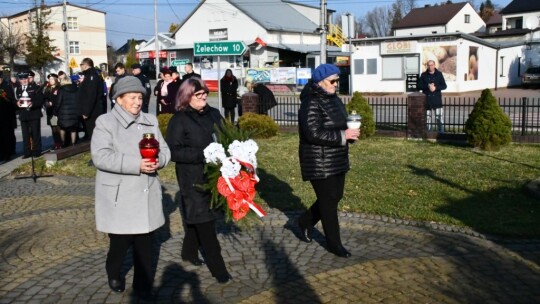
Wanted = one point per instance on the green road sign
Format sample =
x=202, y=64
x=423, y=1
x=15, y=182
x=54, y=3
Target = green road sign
x=215, y=48
x=178, y=62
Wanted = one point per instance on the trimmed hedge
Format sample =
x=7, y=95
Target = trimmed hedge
x=360, y=104
x=488, y=127
x=262, y=126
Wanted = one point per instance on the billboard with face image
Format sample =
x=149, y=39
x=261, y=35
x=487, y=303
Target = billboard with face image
x=473, y=63
x=444, y=56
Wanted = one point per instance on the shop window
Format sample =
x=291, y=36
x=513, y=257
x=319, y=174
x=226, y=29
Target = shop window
x=371, y=66
x=392, y=68
x=359, y=66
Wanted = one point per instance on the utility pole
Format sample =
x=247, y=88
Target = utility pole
x=156, y=40
x=323, y=31
x=66, y=44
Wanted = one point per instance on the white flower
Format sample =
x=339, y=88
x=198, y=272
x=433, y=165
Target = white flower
x=214, y=153
x=244, y=151
x=230, y=168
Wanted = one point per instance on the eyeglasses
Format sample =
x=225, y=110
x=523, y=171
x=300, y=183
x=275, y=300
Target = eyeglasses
x=334, y=81
x=200, y=95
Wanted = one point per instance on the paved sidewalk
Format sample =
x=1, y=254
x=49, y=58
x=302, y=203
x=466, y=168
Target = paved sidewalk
x=51, y=253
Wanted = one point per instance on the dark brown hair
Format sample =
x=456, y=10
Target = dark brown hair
x=187, y=90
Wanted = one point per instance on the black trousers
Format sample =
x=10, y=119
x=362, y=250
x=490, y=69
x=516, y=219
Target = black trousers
x=31, y=129
x=204, y=236
x=229, y=112
x=143, y=276
x=329, y=192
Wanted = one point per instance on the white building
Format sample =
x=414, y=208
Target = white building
x=86, y=35
x=444, y=18
x=468, y=63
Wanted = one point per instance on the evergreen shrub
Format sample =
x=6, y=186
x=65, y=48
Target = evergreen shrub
x=262, y=126
x=360, y=104
x=488, y=127
x=163, y=120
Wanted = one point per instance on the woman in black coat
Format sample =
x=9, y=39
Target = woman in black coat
x=67, y=110
x=267, y=100
x=190, y=131
x=324, y=154
x=229, y=85
x=50, y=97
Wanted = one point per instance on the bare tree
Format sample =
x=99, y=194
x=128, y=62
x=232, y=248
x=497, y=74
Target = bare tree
x=12, y=44
x=379, y=21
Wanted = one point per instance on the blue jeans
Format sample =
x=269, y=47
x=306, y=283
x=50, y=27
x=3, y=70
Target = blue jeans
x=435, y=115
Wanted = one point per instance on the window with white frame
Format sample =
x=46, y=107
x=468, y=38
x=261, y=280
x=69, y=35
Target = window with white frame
x=73, y=23
x=467, y=18
x=371, y=66
x=74, y=47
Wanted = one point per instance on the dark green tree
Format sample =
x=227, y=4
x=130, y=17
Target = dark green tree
x=486, y=10
x=130, y=56
x=360, y=104
x=488, y=127
x=38, y=43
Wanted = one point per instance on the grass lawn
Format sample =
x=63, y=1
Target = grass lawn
x=398, y=178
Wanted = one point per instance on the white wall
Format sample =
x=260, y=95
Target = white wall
x=439, y=29
x=216, y=14
x=457, y=24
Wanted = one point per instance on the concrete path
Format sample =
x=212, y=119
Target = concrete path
x=51, y=253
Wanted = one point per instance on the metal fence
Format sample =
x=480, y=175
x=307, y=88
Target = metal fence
x=390, y=114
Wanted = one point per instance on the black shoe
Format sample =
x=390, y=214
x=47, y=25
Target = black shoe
x=222, y=279
x=117, y=285
x=145, y=295
x=306, y=234
x=340, y=252
x=194, y=262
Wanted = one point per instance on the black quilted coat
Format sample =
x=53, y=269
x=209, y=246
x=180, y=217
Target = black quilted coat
x=322, y=121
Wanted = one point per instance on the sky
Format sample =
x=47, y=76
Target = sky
x=126, y=19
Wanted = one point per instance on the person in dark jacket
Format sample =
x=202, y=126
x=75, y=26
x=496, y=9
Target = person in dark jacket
x=162, y=100
x=432, y=82
x=172, y=89
x=67, y=111
x=50, y=97
x=29, y=100
x=188, y=68
x=324, y=154
x=229, y=85
x=136, y=71
x=267, y=100
x=89, y=96
x=120, y=72
x=190, y=130
x=8, y=119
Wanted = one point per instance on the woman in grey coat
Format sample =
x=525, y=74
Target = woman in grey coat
x=128, y=190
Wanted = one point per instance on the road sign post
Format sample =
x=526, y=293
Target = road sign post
x=219, y=48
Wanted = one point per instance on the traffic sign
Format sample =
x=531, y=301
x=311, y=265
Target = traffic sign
x=72, y=63
x=216, y=48
x=178, y=62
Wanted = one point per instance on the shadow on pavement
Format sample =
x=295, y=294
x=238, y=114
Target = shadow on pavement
x=289, y=285
x=173, y=283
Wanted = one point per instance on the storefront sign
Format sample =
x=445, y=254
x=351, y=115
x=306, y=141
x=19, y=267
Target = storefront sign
x=218, y=34
x=398, y=47
x=150, y=54
x=272, y=75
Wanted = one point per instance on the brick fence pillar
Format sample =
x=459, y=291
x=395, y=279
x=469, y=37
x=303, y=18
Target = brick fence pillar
x=250, y=102
x=416, y=112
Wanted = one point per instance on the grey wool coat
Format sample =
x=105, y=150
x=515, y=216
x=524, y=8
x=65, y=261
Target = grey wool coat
x=127, y=201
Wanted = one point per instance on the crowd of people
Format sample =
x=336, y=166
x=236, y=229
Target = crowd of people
x=128, y=193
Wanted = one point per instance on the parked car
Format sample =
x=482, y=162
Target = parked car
x=530, y=77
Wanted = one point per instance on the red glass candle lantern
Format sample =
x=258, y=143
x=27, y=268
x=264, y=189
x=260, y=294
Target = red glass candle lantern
x=149, y=147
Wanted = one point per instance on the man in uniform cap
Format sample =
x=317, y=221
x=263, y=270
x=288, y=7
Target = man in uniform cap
x=29, y=101
x=8, y=119
x=136, y=71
